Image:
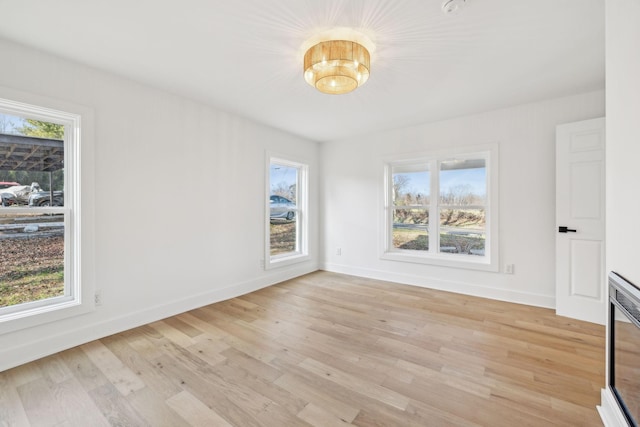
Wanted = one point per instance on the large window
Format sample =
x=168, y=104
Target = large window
x=438, y=209
x=39, y=212
x=286, y=212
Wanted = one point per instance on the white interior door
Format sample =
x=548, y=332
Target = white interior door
x=580, y=221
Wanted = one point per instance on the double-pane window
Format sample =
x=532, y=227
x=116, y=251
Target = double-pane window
x=439, y=208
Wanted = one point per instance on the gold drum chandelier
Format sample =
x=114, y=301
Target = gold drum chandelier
x=336, y=66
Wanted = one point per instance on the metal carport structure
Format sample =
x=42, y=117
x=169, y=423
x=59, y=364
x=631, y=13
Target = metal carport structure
x=28, y=153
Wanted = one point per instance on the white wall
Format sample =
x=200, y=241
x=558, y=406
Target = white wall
x=623, y=138
x=161, y=247
x=623, y=152
x=351, y=198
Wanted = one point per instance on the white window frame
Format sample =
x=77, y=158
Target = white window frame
x=302, y=207
x=78, y=295
x=490, y=260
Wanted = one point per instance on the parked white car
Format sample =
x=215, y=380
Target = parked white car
x=281, y=207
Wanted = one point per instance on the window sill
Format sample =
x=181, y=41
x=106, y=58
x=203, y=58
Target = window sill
x=469, y=262
x=54, y=311
x=286, y=260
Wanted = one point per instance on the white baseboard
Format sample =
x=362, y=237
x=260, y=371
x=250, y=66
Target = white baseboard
x=15, y=356
x=446, y=285
x=609, y=410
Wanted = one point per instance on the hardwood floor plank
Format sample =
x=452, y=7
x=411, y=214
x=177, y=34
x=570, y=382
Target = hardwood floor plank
x=209, y=350
x=495, y=369
x=40, y=403
x=573, y=414
x=279, y=308
x=318, y=417
x=439, y=417
x=196, y=413
x=343, y=355
x=538, y=404
x=12, y=412
x=115, y=408
x=149, y=405
x=120, y=376
x=452, y=377
x=476, y=409
x=356, y=385
x=248, y=364
x=209, y=327
x=175, y=335
x=24, y=374
x=320, y=399
x=54, y=369
x=83, y=369
x=143, y=368
x=253, y=347
x=210, y=390
x=321, y=350
x=266, y=389
x=189, y=330
x=388, y=416
x=148, y=349
x=76, y=405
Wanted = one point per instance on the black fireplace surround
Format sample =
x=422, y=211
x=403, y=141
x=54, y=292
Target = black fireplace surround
x=624, y=346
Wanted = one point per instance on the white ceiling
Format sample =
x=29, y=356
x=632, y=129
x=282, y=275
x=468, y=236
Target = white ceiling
x=245, y=56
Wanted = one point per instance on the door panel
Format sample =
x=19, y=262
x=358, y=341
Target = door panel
x=580, y=206
x=585, y=276
x=586, y=189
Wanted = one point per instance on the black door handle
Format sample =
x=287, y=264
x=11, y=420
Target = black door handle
x=563, y=229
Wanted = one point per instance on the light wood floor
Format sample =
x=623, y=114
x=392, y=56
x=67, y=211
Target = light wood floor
x=323, y=350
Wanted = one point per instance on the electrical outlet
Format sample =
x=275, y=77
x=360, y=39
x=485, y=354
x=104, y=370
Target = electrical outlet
x=97, y=298
x=508, y=269
x=339, y=251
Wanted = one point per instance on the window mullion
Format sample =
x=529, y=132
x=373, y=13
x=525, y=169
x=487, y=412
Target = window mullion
x=434, y=214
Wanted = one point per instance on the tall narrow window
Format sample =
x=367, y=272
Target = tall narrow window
x=438, y=210
x=287, y=208
x=39, y=213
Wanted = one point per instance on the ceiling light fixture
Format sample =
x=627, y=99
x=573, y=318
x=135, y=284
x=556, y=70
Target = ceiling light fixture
x=337, y=66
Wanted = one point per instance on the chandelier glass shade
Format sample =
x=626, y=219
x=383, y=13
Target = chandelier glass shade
x=336, y=66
